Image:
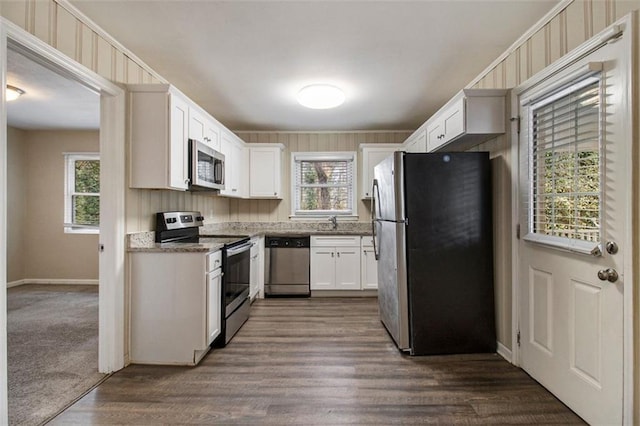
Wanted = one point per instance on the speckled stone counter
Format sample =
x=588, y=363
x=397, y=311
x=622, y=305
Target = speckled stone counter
x=145, y=242
x=221, y=233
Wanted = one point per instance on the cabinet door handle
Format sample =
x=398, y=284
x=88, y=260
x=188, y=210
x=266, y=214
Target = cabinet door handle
x=338, y=254
x=331, y=254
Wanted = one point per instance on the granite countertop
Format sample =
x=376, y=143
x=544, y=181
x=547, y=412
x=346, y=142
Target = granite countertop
x=142, y=242
x=215, y=235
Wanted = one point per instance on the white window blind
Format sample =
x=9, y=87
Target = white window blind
x=565, y=133
x=323, y=183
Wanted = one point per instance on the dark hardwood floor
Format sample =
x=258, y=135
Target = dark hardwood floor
x=320, y=361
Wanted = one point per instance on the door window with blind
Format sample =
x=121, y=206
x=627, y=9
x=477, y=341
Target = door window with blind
x=565, y=134
x=323, y=183
x=82, y=193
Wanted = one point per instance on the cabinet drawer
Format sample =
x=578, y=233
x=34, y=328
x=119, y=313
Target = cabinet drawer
x=367, y=241
x=214, y=260
x=335, y=241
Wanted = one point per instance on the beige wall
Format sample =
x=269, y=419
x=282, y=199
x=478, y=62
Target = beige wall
x=16, y=203
x=279, y=210
x=46, y=251
x=142, y=205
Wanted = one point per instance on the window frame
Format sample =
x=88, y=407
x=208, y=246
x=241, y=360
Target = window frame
x=70, y=159
x=349, y=156
x=544, y=96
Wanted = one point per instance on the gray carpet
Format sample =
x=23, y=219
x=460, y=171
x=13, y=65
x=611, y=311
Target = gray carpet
x=52, y=348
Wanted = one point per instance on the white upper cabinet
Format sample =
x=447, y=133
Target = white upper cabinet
x=416, y=142
x=204, y=128
x=265, y=170
x=158, y=127
x=470, y=118
x=372, y=154
x=235, y=165
x=197, y=124
x=212, y=134
x=161, y=122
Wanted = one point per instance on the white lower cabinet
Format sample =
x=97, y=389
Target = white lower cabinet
x=175, y=306
x=335, y=263
x=214, y=295
x=369, y=264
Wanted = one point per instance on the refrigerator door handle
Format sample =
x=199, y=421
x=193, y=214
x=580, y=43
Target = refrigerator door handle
x=375, y=192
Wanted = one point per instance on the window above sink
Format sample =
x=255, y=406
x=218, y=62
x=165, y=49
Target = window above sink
x=323, y=184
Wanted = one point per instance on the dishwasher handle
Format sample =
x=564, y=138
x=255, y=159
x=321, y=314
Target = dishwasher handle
x=239, y=249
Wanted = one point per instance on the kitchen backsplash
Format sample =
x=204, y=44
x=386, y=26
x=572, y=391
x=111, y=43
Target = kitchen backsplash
x=294, y=226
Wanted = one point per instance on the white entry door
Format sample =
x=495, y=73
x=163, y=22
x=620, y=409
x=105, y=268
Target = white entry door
x=574, y=208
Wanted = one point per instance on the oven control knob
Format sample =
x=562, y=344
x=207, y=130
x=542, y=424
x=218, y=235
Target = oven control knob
x=200, y=218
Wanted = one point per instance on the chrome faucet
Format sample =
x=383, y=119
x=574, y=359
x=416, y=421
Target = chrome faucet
x=334, y=221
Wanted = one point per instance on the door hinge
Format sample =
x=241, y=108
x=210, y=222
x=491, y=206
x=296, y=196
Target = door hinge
x=518, y=231
x=518, y=338
x=517, y=120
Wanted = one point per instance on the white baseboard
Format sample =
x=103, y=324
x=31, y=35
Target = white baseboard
x=505, y=352
x=51, y=281
x=344, y=293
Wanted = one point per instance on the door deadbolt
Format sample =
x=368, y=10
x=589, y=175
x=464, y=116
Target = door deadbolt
x=612, y=247
x=610, y=275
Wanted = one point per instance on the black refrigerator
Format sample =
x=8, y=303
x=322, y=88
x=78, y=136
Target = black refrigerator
x=433, y=237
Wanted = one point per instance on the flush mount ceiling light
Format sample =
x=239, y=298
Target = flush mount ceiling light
x=13, y=93
x=320, y=96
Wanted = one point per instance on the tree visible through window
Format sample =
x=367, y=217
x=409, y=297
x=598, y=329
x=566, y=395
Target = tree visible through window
x=82, y=195
x=323, y=183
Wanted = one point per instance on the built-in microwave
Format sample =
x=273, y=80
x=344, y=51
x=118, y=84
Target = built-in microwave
x=206, y=167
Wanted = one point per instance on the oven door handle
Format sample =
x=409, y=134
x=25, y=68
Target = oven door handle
x=240, y=249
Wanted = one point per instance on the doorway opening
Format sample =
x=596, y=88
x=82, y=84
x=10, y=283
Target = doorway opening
x=53, y=149
x=111, y=241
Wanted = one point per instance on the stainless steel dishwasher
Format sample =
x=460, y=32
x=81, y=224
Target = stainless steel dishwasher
x=287, y=266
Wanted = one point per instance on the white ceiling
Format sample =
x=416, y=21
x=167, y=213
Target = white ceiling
x=51, y=101
x=244, y=61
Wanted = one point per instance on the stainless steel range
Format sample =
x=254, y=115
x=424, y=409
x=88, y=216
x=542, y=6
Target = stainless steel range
x=184, y=227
